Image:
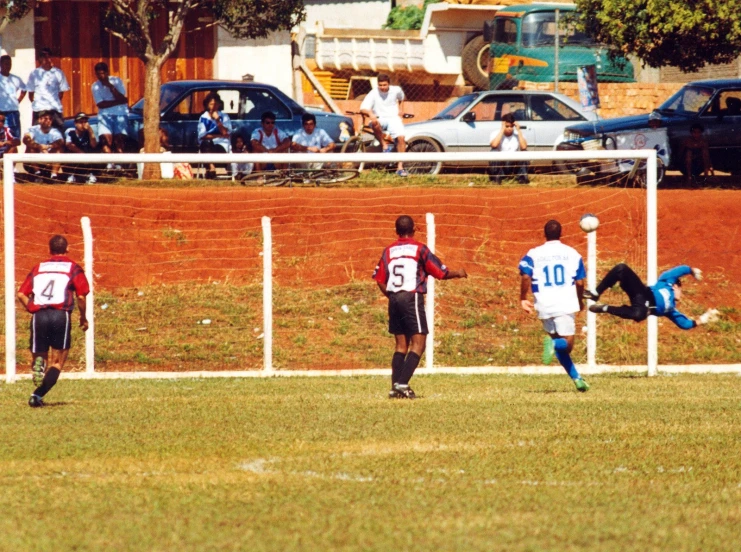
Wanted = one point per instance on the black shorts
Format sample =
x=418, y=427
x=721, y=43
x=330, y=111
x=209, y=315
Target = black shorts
x=407, y=313
x=50, y=328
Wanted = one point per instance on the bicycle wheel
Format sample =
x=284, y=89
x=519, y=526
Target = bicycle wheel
x=423, y=144
x=265, y=178
x=335, y=172
x=354, y=145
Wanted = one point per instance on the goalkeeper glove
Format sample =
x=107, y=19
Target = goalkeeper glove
x=697, y=273
x=711, y=315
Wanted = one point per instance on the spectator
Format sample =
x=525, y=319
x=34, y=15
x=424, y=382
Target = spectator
x=12, y=92
x=311, y=140
x=46, y=87
x=109, y=94
x=214, y=129
x=240, y=170
x=8, y=142
x=508, y=139
x=696, y=154
x=81, y=139
x=44, y=138
x=268, y=139
x=383, y=106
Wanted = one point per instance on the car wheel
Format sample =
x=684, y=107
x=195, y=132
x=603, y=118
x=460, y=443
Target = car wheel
x=423, y=144
x=475, y=62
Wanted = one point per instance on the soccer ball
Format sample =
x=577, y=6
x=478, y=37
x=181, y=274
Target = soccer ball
x=589, y=222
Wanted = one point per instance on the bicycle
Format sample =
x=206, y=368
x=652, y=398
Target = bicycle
x=365, y=141
x=317, y=174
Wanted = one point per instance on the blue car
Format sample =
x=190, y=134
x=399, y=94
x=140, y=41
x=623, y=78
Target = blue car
x=181, y=105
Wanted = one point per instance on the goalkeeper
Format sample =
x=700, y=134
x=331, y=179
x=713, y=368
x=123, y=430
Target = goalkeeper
x=659, y=299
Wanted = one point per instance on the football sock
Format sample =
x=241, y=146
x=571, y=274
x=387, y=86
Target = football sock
x=560, y=344
x=565, y=359
x=397, y=365
x=50, y=380
x=410, y=365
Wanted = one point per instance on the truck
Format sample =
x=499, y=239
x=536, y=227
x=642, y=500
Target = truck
x=540, y=43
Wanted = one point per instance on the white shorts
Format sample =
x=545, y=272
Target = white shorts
x=113, y=124
x=392, y=125
x=563, y=324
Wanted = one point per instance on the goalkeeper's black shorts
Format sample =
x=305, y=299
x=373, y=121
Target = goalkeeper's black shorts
x=407, y=313
x=51, y=328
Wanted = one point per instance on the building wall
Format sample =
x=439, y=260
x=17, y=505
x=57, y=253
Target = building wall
x=347, y=14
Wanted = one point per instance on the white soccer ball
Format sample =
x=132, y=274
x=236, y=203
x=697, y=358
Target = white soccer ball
x=589, y=222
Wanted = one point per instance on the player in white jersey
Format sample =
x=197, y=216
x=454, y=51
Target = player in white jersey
x=555, y=274
x=383, y=106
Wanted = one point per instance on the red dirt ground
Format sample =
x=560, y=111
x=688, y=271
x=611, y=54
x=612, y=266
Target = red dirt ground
x=325, y=237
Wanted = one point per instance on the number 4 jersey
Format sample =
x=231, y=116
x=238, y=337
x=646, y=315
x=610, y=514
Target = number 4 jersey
x=405, y=265
x=53, y=284
x=554, y=268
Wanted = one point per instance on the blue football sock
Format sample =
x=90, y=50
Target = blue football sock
x=565, y=359
x=560, y=344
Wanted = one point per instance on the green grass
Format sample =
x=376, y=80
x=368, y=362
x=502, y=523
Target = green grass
x=484, y=463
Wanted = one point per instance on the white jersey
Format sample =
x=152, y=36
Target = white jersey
x=508, y=143
x=383, y=105
x=269, y=141
x=44, y=138
x=554, y=269
x=102, y=93
x=10, y=86
x=318, y=139
x=46, y=86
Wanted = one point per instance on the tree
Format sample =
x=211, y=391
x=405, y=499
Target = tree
x=687, y=34
x=131, y=21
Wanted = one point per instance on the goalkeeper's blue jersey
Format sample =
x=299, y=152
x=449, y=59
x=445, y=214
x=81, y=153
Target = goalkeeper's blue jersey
x=664, y=296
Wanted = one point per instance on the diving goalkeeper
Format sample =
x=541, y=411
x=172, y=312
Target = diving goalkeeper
x=659, y=299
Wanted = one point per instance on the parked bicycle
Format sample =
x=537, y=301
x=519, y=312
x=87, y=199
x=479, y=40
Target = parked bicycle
x=365, y=141
x=316, y=174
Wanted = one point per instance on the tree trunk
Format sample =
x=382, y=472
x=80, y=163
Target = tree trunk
x=152, y=116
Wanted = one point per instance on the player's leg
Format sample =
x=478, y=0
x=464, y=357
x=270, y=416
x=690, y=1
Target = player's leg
x=562, y=330
x=58, y=325
x=415, y=324
x=396, y=327
x=622, y=274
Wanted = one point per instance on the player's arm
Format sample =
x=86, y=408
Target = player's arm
x=671, y=276
x=453, y=274
x=24, y=299
x=284, y=145
x=681, y=320
x=525, y=285
x=580, y=293
x=81, y=305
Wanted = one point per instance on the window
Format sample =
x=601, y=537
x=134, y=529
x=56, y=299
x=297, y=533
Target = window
x=726, y=103
x=550, y=109
x=491, y=108
x=256, y=101
x=505, y=30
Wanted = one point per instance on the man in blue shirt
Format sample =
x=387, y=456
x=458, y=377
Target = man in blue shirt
x=659, y=299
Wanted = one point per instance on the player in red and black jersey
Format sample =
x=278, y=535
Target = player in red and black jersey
x=48, y=293
x=402, y=276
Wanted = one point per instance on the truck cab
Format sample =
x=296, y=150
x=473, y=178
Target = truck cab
x=523, y=47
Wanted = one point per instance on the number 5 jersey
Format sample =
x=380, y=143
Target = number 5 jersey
x=52, y=284
x=405, y=265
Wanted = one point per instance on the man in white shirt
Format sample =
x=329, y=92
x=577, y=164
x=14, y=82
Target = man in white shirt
x=383, y=106
x=109, y=94
x=555, y=274
x=12, y=92
x=46, y=87
x=43, y=138
x=508, y=139
x=311, y=139
x=269, y=139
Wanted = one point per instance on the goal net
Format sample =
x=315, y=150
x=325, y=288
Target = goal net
x=250, y=277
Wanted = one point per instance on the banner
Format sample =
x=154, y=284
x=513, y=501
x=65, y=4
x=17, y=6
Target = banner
x=586, y=78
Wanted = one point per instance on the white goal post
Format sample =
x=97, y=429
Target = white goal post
x=10, y=162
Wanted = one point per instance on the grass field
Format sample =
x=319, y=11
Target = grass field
x=478, y=463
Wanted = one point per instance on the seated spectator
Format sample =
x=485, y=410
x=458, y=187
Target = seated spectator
x=268, y=139
x=214, y=129
x=509, y=138
x=8, y=142
x=44, y=138
x=80, y=139
x=311, y=140
x=240, y=170
x=696, y=154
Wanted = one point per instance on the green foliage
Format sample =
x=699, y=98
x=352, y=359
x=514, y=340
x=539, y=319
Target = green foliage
x=407, y=18
x=687, y=34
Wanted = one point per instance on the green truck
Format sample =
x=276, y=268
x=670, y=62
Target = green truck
x=525, y=46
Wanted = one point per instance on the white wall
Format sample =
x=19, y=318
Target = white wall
x=17, y=41
x=269, y=60
x=347, y=14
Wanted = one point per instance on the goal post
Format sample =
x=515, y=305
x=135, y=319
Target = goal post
x=270, y=234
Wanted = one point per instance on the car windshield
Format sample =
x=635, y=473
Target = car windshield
x=539, y=29
x=690, y=100
x=456, y=108
x=168, y=94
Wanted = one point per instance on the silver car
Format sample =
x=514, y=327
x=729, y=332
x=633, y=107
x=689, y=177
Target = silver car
x=467, y=124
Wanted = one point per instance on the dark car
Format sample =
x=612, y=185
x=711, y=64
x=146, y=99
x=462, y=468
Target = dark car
x=181, y=105
x=715, y=104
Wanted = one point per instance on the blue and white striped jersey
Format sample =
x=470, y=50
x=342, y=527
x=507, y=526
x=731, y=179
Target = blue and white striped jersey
x=554, y=269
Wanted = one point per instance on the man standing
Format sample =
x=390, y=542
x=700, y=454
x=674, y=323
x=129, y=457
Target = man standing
x=508, y=139
x=555, y=274
x=109, y=94
x=659, y=299
x=46, y=87
x=383, y=106
x=12, y=92
x=401, y=275
x=48, y=293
